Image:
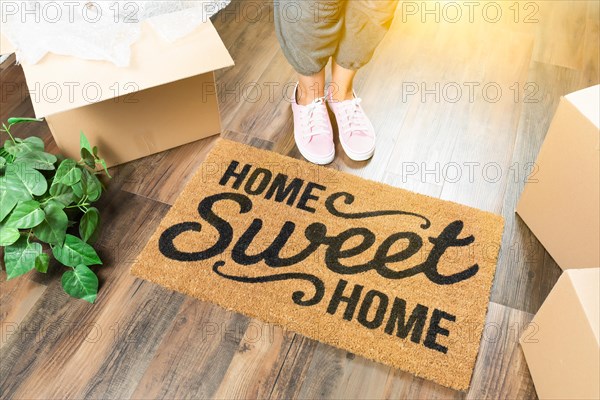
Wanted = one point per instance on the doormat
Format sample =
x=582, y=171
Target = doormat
x=394, y=276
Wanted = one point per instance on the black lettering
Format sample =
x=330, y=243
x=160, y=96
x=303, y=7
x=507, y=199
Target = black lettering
x=363, y=313
x=415, y=323
x=334, y=251
x=307, y=196
x=262, y=185
x=165, y=242
x=382, y=257
x=270, y=255
x=338, y=297
x=448, y=238
x=239, y=176
x=290, y=192
x=435, y=329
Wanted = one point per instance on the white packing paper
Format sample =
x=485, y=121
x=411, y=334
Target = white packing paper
x=97, y=30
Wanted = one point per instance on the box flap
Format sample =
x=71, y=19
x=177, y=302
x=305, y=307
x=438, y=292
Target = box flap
x=60, y=83
x=587, y=101
x=562, y=353
x=561, y=200
x=586, y=283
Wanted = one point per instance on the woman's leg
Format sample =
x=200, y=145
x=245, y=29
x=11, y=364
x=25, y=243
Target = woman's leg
x=309, y=32
x=341, y=82
x=365, y=24
x=310, y=87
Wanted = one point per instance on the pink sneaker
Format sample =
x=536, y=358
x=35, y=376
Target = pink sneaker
x=357, y=134
x=312, y=131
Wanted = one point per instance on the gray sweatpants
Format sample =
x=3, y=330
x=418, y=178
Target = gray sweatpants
x=312, y=31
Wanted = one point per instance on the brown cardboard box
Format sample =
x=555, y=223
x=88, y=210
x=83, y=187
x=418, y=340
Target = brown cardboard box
x=560, y=203
x=561, y=345
x=166, y=97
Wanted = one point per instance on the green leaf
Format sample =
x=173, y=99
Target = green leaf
x=8, y=199
x=27, y=214
x=22, y=146
x=88, y=154
x=13, y=121
x=2, y=162
x=54, y=225
x=12, y=147
x=34, y=142
x=91, y=185
x=81, y=283
x=3, y=151
x=89, y=223
x=8, y=235
x=68, y=172
x=84, y=143
x=62, y=193
x=78, y=191
x=41, y=262
x=74, y=251
x=11, y=187
x=24, y=182
x=88, y=158
x=38, y=160
x=103, y=163
x=20, y=256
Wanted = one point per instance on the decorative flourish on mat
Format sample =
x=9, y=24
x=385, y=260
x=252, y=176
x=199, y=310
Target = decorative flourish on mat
x=297, y=296
x=349, y=199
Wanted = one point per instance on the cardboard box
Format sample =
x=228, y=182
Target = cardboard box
x=562, y=346
x=165, y=98
x=560, y=202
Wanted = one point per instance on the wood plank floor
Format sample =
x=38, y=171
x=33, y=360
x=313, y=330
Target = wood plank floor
x=461, y=110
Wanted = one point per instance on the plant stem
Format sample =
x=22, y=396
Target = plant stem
x=79, y=205
x=7, y=130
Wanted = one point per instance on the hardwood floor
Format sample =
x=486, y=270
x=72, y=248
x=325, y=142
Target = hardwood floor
x=444, y=129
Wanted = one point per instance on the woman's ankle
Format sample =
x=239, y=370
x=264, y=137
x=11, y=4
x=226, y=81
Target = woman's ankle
x=305, y=96
x=340, y=93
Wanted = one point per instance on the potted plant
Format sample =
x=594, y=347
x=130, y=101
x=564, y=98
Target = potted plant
x=46, y=210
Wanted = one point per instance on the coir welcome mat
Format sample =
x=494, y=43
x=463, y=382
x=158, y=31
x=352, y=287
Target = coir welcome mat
x=394, y=276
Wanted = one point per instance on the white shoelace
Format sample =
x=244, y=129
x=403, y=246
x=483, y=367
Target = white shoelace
x=355, y=121
x=317, y=119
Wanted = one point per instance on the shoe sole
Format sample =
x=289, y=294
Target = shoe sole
x=357, y=156
x=317, y=160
